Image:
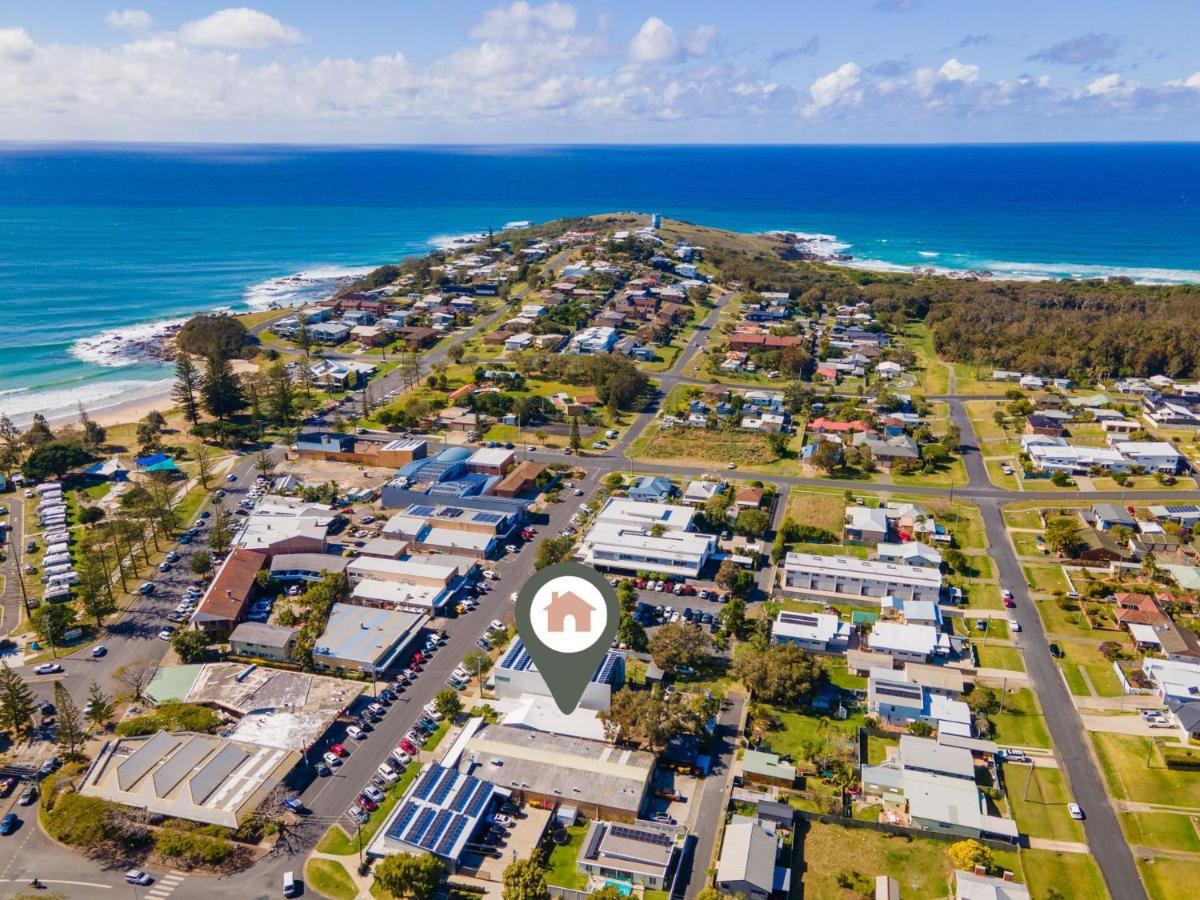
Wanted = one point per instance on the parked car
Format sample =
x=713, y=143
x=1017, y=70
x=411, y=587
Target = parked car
x=295, y=805
x=7, y=785
x=501, y=819
x=165, y=633
x=1075, y=810
x=357, y=733
x=331, y=759
x=323, y=770
x=374, y=793
x=29, y=795
x=367, y=803
x=388, y=772
x=1056, y=651
x=8, y=824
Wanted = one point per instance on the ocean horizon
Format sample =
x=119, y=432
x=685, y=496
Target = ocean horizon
x=103, y=246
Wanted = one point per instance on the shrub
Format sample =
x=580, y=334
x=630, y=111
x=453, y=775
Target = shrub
x=192, y=847
x=80, y=821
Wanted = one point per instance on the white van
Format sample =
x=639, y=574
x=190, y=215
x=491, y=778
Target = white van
x=289, y=884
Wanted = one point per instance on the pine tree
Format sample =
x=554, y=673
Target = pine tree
x=94, y=589
x=12, y=450
x=99, y=706
x=16, y=700
x=188, y=383
x=221, y=392
x=71, y=735
x=576, y=440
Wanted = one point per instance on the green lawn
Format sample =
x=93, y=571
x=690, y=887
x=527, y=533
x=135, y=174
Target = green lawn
x=1025, y=543
x=877, y=749
x=1073, y=875
x=835, y=668
x=1039, y=803
x=1020, y=516
x=981, y=596
x=1163, y=831
x=1123, y=760
x=1000, y=657
x=562, y=870
x=1075, y=683
x=824, y=509
x=798, y=728
x=1021, y=723
x=953, y=474
x=1168, y=879
x=330, y=878
x=1046, y=578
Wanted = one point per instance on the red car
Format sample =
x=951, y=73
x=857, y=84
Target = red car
x=527, y=534
x=409, y=747
x=340, y=750
x=367, y=803
x=641, y=583
x=6, y=786
x=417, y=658
x=1010, y=603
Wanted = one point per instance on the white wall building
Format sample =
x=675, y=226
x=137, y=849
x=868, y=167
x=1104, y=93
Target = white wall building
x=852, y=577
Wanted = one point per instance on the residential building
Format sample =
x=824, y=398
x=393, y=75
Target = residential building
x=524, y=478
x=748, y=863
x=700, y=492
x=852, y=577
x=517, y=342
x=1049, y=457
x=1174, y=680
x=817, y=632
x=759, y=767
x=640, y=854
x=910, y=553
x=896, y=698
x=260, y=640
x=1039, y=424
x=909, y=643
x=224, y=603
x=1153, y=456
x=865, y=525
x=634, y=548
x=328, y=333
x=652, y=489
x=1109, y=515
x=197, y=777
x=596, y=339
x=981, y=886
x=360, y=636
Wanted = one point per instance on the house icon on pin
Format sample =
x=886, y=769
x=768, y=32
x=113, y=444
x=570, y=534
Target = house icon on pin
x=568, y=605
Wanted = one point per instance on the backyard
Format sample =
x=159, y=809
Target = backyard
x=1038, y=797
x=1135, y=770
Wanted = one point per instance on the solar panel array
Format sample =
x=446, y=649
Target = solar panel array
x=793, y=618
x=424, y=817
x=450, y=512
x=907, y=693
x=593, y=847
x=637, y=834
x=421, y=511
x=463, y=794
x=489, y=518
x=452, y=834
x=438, y=826
x=438, y=795
x=479, y=800
x=605, y=671
x=427, y=780
x=511, y=656
x=402, y=819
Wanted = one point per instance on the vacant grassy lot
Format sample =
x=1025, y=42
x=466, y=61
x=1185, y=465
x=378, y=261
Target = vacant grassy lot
x=1073, y=875
x=1045, y=578
x=1039, y=797
x=561, y=868
x=699, y=447
x=330, y=878
x=798, y=728
x=1020, y=516
x=1021, y=723
x=823, y=509
x=1163, y=831
x=1123, y=759
x=997, y=657
x=1166, y=878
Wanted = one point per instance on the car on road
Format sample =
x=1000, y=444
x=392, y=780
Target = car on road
x=9, y=824
x=146, y=588
x=29, y=795
x=165, y=633
x=331, y=759
x=295, y=805
x=1075, y=810
x=137, y=876
x=357, y=733
x=48, y=669
x=99, y=650
x=491, y=574
x=1056, y=651
x=230, y=478
x=1010, y=603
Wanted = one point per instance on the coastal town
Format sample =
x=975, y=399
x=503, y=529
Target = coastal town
x=904, y=613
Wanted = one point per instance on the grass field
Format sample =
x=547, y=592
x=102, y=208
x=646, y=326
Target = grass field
x=689, y=446
x=824, y=509
x=1021, y=517
x=798, y=728
x=329, y=877
x=1123, y=760
x=1045, y=578
x=996, y=657
x=1039, y=797
x=1167, y=878
x=1163, y=831
x=1073, y=875
x=1021, y=723
x=561, y=868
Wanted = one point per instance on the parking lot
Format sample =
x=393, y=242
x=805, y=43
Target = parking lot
x=520, y=843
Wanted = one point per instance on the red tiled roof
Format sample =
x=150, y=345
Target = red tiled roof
x=234, y=583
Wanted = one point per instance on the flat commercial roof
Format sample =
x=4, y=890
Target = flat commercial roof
x=399, y=593
x=308, y=562
x=644, y=514
x=491, y=456
x=853, y=567
x=364, y=635
x=438, y=814
x=575, y=769
x=399, y=569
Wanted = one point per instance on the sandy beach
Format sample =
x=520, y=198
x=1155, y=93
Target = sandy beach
x=121, y=413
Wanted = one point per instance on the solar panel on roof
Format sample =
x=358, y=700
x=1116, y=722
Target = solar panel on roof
x=480, y=799
x=908, y=694
x=421, y=511
x=439, y=794
x=451, y=512
x=424, y=817
x=489, y=518
x=793, y=618
x=440, y=821
x=605, y=671
x=593, y=847
x=463, y=794
x=402, y=819
x=427, y=779
x=646, y=837
x=451, y=836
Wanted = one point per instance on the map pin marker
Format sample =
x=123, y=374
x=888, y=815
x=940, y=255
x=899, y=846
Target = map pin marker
x=567, y=615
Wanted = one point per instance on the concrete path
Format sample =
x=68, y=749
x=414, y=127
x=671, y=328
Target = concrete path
x=1121, y=725
x=1057, y=846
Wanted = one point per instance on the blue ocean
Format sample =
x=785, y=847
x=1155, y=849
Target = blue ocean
x=101, y=246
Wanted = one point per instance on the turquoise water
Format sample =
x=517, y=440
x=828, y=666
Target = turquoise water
x=102, y=241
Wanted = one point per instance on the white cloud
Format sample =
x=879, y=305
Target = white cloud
x=1111, y=84
x=1192, y=81
x=953, y=70
x=15, y=45
x=841, y=86
x=522, y=21
x=700, y=39
x=655, y=42
x=129, y=20
x=239, y=29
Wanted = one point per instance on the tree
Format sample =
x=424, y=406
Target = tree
x=968, y=854
x=204, y=469
x=456, y=353
x=135, y=676
x=54, y=458
x=90, y=515
x=777, y=442
x=71, y=734
x=576, y=441
x=553, y=550
x=677, y=644
x=1062, y=536
x=732, y=617
x=650, y=718
x=221, y=391
x=39, y=432
x=780, y=673
x=51, y=622
x=188, y=383
x=99, y=706
x=190, y=644
x=201, y=563
x=93, y=434
x=631, y=633
x=12, y=448
x=827, y=456
x=414, y=877
x=752, y=522
x=220, y=532
x=282, y=393
x=524, y=879
x=447, y=703
x=149, y=434
x=16, y=701
x=94, y=589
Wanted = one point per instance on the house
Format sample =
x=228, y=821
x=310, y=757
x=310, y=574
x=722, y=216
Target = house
x=224, y=602
x=1186, y=715
x=1044, y=425
x=596, y=339
x=416, y=338
x=748, y=497
x=700, y=492
x=1100, y=546
x=847, y=576
x=652, y=489
x=640, y=854
x=865, y=525
x=904, y=642
x=1174, y=679
x=1031, y=382
x=747, y=867
x=1053, y=457
x=1153, y=456
x=260, y=640
x=371, y=335
x=518, y=342
x=818, y=632
x=328, y=333
x=981, y=886
x=889, y=370
x=759, y=767
x=889, y=451
x=896, y=699
x=1108, y=515
x=910, y=553
x=568, y=605
x=826, y=373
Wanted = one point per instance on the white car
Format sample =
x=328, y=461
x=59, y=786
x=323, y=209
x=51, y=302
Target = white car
x=491, y=574
x=502, y=820
x=388, y=772
x=1075, y=810
x=357, y=733
x=496, y=625
x=401, y=757
x=510, y=548
x=373, y=793
x=1014, y=626
x=165, y=634
x=137, y=876
x=332, y=759
x=47, y=669
x=433, y=713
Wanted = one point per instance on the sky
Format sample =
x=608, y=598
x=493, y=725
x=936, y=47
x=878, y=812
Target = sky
x=654, y=71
